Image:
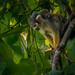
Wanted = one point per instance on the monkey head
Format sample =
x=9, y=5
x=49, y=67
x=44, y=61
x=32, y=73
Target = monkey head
x=35, y=21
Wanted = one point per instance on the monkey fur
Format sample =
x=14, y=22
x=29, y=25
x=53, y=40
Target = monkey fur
x=48, y=24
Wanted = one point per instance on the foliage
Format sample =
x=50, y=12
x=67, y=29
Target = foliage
x=23, y=50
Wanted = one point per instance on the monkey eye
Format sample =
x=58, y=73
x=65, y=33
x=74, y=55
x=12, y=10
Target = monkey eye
x=34, y=25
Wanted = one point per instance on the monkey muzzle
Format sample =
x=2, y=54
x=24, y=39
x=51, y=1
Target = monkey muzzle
x=37, y=28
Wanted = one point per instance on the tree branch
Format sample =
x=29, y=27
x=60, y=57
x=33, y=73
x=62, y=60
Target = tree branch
x=63, y=43
x=67, y=23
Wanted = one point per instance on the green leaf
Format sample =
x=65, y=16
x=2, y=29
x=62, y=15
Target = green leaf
x=4, y=22
x=56, y=10
x=62, y=7
x=72, y=53
x=25, y=2
x=2, y=67
x=70, y=44
x=10, y=40
x=72, y=1
x=40, y=39
x=57, y=72
x=26, y=67
x=68, y=70
x=11, y=69
x=7, y=16
x=18, y=55
x=58, y=1
x=6, y=51
x=3, y=27
x=16, y=30
x=32, y=4
x=71, y=49
x=19, y=10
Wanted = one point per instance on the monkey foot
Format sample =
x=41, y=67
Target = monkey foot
x=48, y=49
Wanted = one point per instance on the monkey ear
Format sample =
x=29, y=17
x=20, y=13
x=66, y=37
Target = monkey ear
x=39, y=18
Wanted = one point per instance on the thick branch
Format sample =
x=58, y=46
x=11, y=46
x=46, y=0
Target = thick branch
x=67, y=34
x=62, y=44
x=67, y=23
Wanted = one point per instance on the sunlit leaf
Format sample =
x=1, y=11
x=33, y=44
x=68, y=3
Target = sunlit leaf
x=47, y=43
x=13, y=21
x=72, y=1
x=8, y=6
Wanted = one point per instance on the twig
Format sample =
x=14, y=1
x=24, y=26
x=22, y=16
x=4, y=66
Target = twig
x=1, y=7
x=35, y=59
x=68, y=60
x=39, y=53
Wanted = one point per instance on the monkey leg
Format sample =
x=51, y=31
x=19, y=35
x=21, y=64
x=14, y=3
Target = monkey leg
x=56, y=40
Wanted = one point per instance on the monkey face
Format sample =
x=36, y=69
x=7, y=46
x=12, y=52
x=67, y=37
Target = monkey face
x=34, y=23
x=35, y=26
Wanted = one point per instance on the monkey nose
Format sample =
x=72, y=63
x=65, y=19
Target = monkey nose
x=37, y=28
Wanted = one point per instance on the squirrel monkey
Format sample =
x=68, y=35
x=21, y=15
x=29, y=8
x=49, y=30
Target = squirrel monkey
x=48, y=24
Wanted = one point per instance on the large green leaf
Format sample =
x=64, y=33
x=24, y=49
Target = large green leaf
x=10, y=40
x=18, y=54
x=11, y=69
x=71, y=48
x=68, y=70
x=26, y=67
x=6, y=51
x=16, y=30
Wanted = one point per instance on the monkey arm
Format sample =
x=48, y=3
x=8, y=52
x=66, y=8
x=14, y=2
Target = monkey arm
x=49, y=39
